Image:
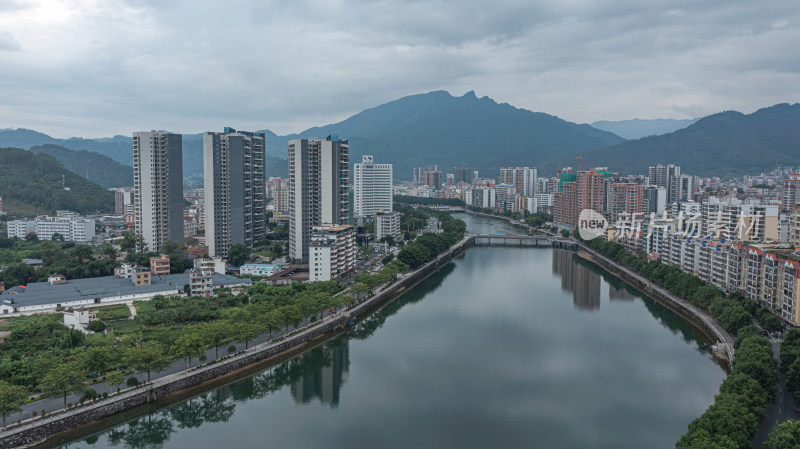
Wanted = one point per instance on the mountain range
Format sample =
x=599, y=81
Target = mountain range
x=438, y=128
x=725, y=144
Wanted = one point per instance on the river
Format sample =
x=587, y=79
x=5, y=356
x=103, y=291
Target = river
x=503, y=347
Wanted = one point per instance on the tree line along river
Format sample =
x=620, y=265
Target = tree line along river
x=502, y=347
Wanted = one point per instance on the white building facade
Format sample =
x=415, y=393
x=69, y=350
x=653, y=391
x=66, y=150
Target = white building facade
x=372, y=187
x=387, y=224
x=332, y=252
x=71, y=229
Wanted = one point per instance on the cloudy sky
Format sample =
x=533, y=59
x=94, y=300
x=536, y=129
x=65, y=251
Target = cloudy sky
x=99, y=68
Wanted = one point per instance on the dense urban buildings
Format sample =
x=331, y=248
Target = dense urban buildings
x=463, y=174
x=577, y=191
x=318, y=189
x=667, y=177
x=523, y=179
x=372, y=187
x=71, y=229
x=158, y=187
x=235, y=189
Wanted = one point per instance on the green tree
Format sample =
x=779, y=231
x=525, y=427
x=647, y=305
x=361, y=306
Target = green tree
x=128, y=241
x=216, y=333
x=97, y=359
x=81, y=252
x=238, y=254
x=785, y=435
x=96, y=326
x=11, y=398
x=63, y=379
x=115, y=380
x=189, y=344
x=149, y=357
x=51, y=252
x=31, y=237
x=248, y=332
x=360, y=289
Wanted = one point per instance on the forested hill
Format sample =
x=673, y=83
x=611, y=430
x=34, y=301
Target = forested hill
x=94, y=166
x=725, y=144
x=31, y=183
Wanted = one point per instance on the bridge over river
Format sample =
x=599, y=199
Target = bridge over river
x=521, y=240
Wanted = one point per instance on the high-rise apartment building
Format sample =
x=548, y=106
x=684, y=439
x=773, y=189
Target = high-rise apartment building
x=235, y=189
x=124, y=204
x=578, y=191
x=668, y=177
x=158, y=187
x=318, y=192
x=627, y=198
x=281, y=204
x=463, y=174
x=372, y=187
x=432, y=179
x=654, y=200
x=791, y=191
x=522, y=178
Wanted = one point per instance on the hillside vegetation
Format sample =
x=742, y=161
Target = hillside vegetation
x=96, y=167
x=725, y=144
x=32, y=182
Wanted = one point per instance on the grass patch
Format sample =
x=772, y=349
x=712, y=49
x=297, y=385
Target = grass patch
x=115, y=312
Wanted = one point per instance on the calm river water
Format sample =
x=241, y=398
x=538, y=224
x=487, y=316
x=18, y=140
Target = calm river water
x=503, y=347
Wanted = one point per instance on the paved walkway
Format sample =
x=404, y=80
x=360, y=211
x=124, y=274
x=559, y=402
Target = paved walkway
x=780, y=410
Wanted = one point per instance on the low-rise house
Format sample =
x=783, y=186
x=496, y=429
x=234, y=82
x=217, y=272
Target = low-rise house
x=77, y=293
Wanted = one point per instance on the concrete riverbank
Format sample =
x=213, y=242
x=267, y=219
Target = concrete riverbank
x=36, y=432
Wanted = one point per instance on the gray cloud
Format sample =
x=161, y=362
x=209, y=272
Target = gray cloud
x=100, y=68
x=7, y=42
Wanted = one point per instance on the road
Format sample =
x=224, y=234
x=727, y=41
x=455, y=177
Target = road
x=782, y=409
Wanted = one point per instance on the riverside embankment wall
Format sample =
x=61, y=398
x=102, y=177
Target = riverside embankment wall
x=36, y=432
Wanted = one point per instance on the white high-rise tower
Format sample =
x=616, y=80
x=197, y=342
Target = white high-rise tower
x=372, y=187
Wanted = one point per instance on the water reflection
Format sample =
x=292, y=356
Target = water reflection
x=323, y=373
x=598, y=372
x=581, y=280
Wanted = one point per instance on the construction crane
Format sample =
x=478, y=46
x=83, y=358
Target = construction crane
x=580, y=161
